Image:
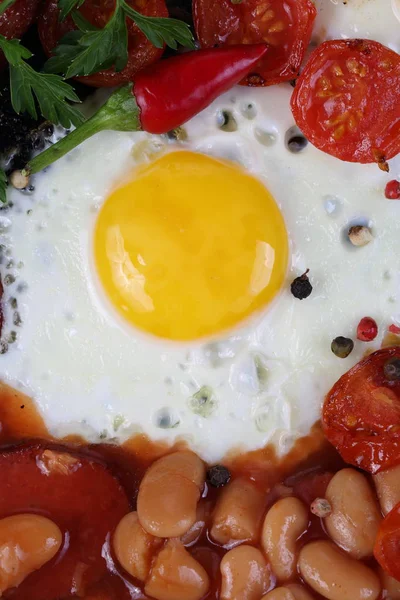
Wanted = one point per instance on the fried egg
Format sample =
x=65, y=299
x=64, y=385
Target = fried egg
x=111, y=323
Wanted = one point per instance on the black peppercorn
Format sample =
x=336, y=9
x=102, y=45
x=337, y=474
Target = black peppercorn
x=392, y=369
x=342, y=346
x=301, y=287
x=218, y=476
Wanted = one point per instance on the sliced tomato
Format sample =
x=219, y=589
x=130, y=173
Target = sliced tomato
x=16, y=20
x=79, y=494
x=286, y=25
x=347, y=101
x=387, y=545
x=361, y=414
x=141, y=51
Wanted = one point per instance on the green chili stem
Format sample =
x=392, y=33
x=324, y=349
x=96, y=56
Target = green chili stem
x=119, y=113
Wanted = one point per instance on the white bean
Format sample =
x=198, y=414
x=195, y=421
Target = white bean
x=387, y=485
x=355, y=517
x=245, y=574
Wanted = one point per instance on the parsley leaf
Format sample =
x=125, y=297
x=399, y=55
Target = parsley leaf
x=159, y=30
x=66, y=6
x=28, y=86
x=6, y=4
x=102, y=48
x=97, y=49
x=3, y=186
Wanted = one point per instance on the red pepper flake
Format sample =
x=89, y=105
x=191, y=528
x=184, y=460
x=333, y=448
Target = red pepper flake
x=392, y=190
x=367, y=329
x=394, y=329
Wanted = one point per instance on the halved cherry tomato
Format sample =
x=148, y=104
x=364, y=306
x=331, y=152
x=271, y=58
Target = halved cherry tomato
x=387, y=545
x=98, y=12
x=16, y=20
x=347, y=101
x=361, y=414
x=79, y=494
x=285, y=25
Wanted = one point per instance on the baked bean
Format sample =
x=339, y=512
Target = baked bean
x=284, y=523
x=169, y=492
x=134, y=547
x=238, y=513
x=27, y=543
x=387, y=485
x=245, y=574
x=279, y=593
x=336, y=575
x=355, y=517
x=299, y=591
x=176, y=575
x=391, y=587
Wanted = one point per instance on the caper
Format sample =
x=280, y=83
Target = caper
x=392, y=369
x=342, y=346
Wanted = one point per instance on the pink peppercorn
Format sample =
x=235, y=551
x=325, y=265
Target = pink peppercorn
x=392, y=190
x=367, y=330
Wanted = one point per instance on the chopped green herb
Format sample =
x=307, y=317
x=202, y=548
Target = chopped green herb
x=91, y=50
x=6, y=4
x=118, y=421
x=28, y=86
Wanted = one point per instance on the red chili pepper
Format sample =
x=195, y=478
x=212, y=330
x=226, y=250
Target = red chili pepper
x=367, y=329
x=170, y=96
x=162, y=97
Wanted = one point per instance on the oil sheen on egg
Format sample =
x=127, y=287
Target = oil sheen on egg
x=93, y=372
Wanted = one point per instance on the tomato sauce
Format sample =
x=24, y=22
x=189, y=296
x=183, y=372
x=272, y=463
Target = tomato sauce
x=114, y=474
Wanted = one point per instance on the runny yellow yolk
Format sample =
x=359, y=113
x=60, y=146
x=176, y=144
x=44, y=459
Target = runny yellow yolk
x=190, y=246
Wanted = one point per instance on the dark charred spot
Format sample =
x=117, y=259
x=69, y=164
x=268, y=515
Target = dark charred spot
x=360, y=45
x=380, y=159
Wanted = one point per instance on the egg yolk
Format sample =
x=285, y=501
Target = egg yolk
x=190, y=246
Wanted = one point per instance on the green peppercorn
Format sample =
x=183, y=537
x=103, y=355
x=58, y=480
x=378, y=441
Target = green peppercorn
x=342, y=346
x=392, y=369
x=218, y=476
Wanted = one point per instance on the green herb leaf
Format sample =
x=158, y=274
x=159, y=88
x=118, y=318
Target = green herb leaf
x=95, y=49
x=6, y=4
x=102, y=47
x=13, y=51
x=160, y=30
x=3, y=186
x=66, y=6
x=28, y=86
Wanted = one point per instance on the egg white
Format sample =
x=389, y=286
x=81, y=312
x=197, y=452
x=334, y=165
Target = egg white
x=91, y=374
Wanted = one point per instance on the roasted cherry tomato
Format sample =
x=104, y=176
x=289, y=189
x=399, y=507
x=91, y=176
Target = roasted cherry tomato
x=387, y=545
x=81, y=496
x=141, y=51
x=361, y=414
x=16, y=20
x=346, y=101
x=285, y=25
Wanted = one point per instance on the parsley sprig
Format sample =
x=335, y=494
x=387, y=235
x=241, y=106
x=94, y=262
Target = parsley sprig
x=27, y=87
x=90, y=50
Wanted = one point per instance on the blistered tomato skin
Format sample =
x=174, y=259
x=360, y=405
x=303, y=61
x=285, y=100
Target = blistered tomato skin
x=338, y=98
x=141, y=52
x=285, y=25
x=387, y=545
x=80, y=495
x=16, y=20
x=361, y=414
